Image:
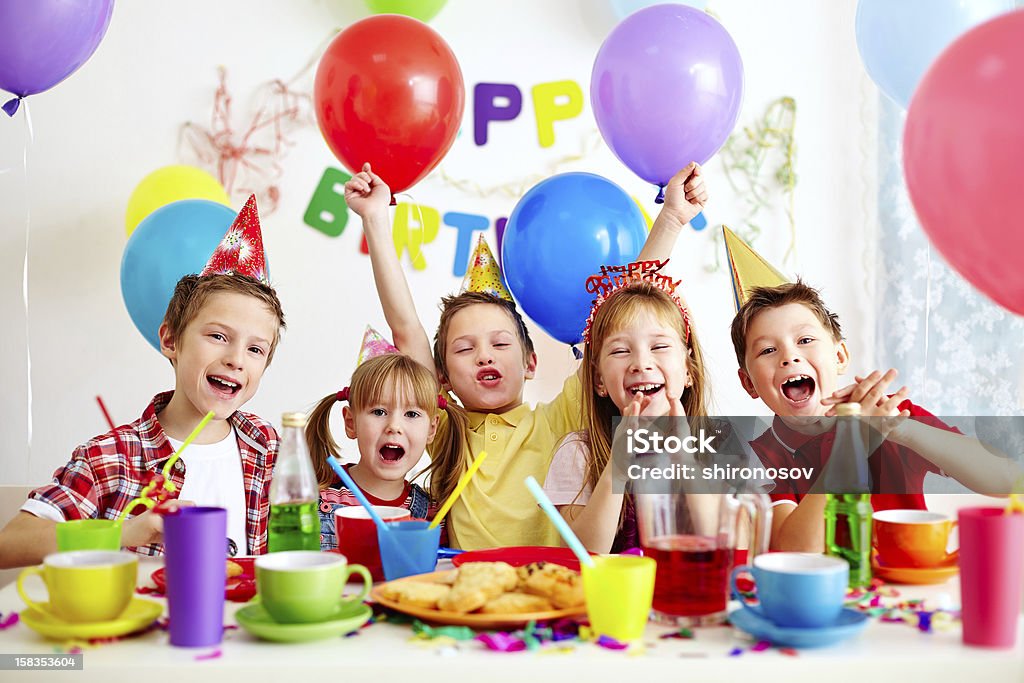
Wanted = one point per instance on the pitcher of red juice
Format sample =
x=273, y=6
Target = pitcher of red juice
x=693, y=537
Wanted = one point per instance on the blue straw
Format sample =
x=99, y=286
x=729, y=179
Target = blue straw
x=558, y=521
x=351, y=485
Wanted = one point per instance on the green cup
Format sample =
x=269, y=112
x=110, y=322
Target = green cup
x=89, y=534
x=305, y=586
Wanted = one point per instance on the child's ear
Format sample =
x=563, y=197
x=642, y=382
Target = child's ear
x=168, y=344
x=350, y=422
x=433, y=428
x=531, y=366
x=748, y=385
x=842, y=358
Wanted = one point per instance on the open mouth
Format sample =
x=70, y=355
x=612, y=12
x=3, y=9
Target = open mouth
x=391, y=452
x=648, y=389
x=488, y=376
x=798, y=388
x=223, y=384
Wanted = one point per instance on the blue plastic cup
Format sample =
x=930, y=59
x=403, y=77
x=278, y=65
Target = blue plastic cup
x=408, y=548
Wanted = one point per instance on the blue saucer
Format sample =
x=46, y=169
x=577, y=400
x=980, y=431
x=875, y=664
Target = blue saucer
x=849, y=623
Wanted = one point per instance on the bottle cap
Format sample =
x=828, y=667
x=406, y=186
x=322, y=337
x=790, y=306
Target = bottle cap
x=847, y=409
x=293, y=420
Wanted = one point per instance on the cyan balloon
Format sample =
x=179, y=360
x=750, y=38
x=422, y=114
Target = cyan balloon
x=561, y=232
x=899, y=39
x=173, y=241
x=623, y=8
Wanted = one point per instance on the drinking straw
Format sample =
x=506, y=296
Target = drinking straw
x=351, y=485
x=1016, y=502
x=559, y=522
x=106, y=414
x=144, y=498
x=458, y=489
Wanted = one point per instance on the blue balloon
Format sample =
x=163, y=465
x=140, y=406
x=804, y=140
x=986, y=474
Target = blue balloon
x=173, y=241
x=899, y=40
x=561, y=232
x=623, y=8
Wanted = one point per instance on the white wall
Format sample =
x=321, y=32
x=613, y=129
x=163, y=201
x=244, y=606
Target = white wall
x=97, y=134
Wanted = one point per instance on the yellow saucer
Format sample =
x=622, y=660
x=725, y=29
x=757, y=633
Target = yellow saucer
x=138, y=615
x=915, y=575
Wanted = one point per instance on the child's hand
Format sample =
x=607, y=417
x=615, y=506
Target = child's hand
x=685, y=195
x=366, y=193
x=675, y=400
x=148, y=527
x=637, y=405
x=870, y=393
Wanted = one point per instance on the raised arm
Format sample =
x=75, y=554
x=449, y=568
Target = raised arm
x=685, y=197
x=368, y=197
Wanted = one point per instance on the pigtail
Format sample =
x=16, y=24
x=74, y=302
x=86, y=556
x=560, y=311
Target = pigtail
x=320, y=440
x=447, y=462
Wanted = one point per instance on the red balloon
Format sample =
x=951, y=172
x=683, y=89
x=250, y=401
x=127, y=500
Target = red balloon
x=962, y=156
x=389, y=91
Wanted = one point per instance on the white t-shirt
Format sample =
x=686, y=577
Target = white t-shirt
x=213, y=477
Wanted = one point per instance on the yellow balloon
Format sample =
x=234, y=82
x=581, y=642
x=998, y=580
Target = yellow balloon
x=171, y=184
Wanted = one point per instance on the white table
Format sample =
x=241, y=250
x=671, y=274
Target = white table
x=384, y=651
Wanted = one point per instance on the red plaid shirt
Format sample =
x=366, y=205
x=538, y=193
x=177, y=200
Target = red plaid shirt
x=108, y=472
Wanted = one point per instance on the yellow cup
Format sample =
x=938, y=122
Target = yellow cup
x=84, y=585
x=619, y=591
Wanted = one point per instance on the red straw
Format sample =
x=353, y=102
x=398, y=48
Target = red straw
x=106, y=414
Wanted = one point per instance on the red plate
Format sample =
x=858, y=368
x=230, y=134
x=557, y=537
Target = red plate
x=240, y=588
x=517, y=556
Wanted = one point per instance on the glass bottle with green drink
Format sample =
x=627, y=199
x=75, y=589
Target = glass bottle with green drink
x=848, y=499
x=294, y=494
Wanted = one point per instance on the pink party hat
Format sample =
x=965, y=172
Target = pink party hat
x=483, y=273
x=374, y=344
x=241, y=250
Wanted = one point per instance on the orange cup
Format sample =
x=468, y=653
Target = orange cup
x=913, y=538
x=357, y=534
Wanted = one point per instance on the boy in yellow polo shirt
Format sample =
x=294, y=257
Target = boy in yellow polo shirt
x=483, y=353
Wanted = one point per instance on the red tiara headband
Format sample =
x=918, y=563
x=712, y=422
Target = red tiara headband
x=617, y=278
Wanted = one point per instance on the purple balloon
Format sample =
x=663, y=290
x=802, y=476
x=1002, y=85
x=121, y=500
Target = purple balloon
x=666, y=89
x=42, y=42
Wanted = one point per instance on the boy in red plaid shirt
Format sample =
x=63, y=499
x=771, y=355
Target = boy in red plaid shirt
x=219, y=333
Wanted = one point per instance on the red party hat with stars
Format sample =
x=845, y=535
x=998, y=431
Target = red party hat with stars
x=483, y=273
x=374, y=344
x=241, y=250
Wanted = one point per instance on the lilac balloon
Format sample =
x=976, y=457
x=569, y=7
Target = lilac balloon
x=666, y=89
x=42, y=42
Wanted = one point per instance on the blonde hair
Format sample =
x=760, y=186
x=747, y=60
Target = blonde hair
x=371, y=383
x=618, y=311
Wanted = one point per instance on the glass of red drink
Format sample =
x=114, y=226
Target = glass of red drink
x=693, y=538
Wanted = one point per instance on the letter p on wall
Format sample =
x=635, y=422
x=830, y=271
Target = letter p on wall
x=555, y=101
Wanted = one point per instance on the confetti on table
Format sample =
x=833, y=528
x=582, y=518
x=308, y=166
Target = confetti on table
x=8, y=621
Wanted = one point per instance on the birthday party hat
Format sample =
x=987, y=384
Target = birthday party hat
x=374, y=344
x=241, y=250
x=749, y=269
x=483, y=273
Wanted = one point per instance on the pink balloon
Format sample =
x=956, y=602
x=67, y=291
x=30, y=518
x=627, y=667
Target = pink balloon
x=963, y=155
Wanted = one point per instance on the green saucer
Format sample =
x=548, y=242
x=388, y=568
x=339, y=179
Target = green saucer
x=254, y=619
x=138, y=615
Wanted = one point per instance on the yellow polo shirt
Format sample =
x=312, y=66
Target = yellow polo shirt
x=497, y=509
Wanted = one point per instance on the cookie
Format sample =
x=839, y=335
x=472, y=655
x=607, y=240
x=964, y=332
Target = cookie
x=234, y=569
x=516, y=603
x=477, y=583
x=415, y=594
x=562, y=586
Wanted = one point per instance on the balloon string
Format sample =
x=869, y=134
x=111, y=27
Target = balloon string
x=30, y=136
x=927, y=314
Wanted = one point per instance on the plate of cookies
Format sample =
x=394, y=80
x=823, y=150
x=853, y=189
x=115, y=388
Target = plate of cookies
x=487, y=594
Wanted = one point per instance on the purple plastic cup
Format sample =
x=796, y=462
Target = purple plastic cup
x=195, y=542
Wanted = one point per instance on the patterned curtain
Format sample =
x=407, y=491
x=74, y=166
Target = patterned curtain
x=959, y=353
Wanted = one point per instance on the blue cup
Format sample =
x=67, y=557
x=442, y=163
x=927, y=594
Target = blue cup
x=796, y=590
x=408, y=548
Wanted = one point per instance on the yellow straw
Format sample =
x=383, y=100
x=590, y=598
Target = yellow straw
x=144, y=498
x=1016, y=499
x=458, y=489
